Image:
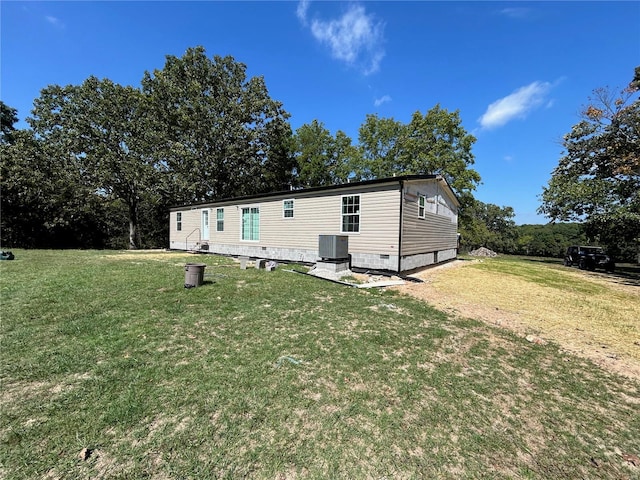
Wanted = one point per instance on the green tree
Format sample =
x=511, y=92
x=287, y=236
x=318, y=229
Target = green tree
x=436, y=143
x=278, y=164
x=548, y=240
x=379, y=140
x=45, y=201
x=218, y=132
x=321, y=158
x=597, y=179
x=104, y=127
x=8, y=117
x=489, y=226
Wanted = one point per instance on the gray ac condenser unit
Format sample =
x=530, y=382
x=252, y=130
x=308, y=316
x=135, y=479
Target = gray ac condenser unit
x=333, y=247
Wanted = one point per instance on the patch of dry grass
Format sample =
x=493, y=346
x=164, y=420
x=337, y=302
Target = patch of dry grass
x=589, y=314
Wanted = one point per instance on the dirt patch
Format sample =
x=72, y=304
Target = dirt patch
x=604, y=329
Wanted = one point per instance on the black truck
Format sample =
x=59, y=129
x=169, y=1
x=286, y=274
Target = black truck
x=588, y=258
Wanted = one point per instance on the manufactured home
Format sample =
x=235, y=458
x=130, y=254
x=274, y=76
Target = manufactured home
x=394, y=224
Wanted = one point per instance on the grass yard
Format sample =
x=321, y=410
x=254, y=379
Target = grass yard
x=111, y=369
x=592, y=314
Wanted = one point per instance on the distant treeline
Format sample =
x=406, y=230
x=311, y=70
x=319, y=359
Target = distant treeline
x=548, y=240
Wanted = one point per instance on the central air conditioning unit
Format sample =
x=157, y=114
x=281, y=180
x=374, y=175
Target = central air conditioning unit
x=333, y=247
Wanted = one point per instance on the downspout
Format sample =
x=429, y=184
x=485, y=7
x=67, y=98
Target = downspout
x=401, y=224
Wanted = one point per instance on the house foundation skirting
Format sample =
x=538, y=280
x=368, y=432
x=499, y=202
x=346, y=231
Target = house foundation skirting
x=411, y=262
x=373, y=261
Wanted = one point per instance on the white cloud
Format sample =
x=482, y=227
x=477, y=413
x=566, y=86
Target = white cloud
x=516, y=105
x=517, y=12
x=54, y=21
x=355, y=38
x=301, y=11
x=384, y=99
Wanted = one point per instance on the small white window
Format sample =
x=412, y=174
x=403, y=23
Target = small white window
x=179, y=221
x=287, y=209
x=220, y=220
x=421, y=205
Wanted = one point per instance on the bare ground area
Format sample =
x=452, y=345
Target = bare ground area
x=603, y=325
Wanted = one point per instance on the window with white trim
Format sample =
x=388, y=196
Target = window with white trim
x=287, y=209
x=251, y=223
x=422, y=200
x=220, y=220
x=350, y=213
x=179, y=221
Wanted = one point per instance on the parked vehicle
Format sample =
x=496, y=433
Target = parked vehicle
x=588, y=258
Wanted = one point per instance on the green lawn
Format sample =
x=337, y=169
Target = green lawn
x=279, y=375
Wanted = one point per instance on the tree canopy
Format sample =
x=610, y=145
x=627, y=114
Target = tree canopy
x=103, y=127
x=489, y=226
x=434, y=143
x=219, y=133
x=8, y=117
x=322, y=159
x=597, y=180
x=198, y=129
x=111, y=158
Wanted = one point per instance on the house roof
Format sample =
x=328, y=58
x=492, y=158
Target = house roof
x=343, y=186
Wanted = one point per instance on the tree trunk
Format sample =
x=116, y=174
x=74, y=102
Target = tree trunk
x=134, y=237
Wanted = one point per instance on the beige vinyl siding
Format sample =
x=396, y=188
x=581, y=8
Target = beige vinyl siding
x=434, y=232
x=429, y=234
x=315, y=213
x=190, y=222
x=321, y=214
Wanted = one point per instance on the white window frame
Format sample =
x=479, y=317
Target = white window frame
x=422, y=206
x=219, y=221
x=249, y=207
x=178, y=221
x=286, y=209
x=343, y=214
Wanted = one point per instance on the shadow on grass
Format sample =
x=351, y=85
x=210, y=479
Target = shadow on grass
x=627, y=274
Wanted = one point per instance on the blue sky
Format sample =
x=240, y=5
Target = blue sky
x=518, y=72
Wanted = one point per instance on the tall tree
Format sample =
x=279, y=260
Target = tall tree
x=216, y=130
x=104, y=127
x=597, y=180
x=435, y=143
x=379, y=140
x=278, y=164
x=321, y=158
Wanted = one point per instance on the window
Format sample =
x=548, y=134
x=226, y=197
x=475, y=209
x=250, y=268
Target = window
x=351, y=213
x=179, y=221
x=421, y=204
x=251, y=223
x=287, y=208
x=220, y=220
